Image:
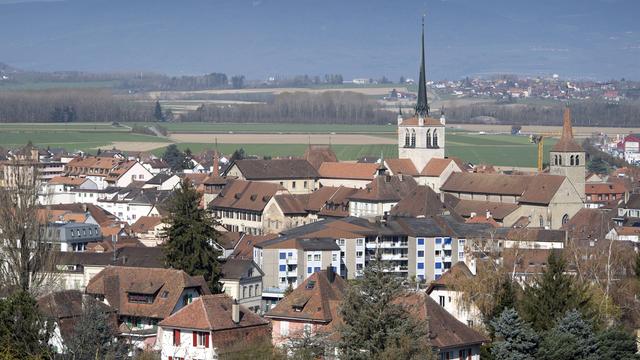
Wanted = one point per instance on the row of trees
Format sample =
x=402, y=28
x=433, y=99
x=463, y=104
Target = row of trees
x=584, y=113
x=328, y=107
x=87, y=105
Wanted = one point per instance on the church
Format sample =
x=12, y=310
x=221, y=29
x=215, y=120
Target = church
x=544, y=200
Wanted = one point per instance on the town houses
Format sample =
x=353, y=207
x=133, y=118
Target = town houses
x=292, y=235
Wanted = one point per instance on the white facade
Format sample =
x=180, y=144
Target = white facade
x=183, y=348
x=452, y=302
x=137, y=172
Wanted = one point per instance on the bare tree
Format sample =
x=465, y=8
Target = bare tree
x=27, y=260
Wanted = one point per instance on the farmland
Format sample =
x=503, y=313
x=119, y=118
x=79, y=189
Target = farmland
x=349, y=142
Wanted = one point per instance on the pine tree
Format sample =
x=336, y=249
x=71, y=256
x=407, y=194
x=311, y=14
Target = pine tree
x=190, y=236
x=617, y=344
x=174, y=157
x=515, y=340
x=505, y=298
x=571, y=338
x=552, y=295
x=24, y=332
x=157, y=112
x=375, y=324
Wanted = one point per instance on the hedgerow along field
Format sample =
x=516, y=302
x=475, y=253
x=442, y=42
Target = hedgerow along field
x=497, y=149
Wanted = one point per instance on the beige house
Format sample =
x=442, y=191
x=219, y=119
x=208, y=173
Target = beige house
x=547, y=201
x=241, y=279
x=437, y=171
x=286, y=211
x=298, y=176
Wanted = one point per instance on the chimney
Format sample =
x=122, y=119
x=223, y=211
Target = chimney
x=216, y=164
x=488, y=214
x=420, y=120
x=442, y=119
x=331, y=275
x=235, y=311
x=472, y=215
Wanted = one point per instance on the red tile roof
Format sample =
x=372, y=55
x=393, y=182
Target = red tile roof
x=401, y=166
x=345, y=170
x=145, y=224
x=414, y=121
x=436, y=166
x=212, y=313
x=245, y=195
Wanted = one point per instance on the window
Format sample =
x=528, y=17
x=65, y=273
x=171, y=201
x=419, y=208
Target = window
x=316, y=257
x=420, y=265
x=413, y=138
x=308, y=257
x=428, y=138
x=250, y=291
x=420, y=253
x=438, y=241
x=284, y=328
x=406, y=138
x=421, y=241
x=304, y=184
x=334, y=257
x=435, y=138
x=577, y=160
x=309, y=270
x=541, y=221
x=176, y=337
x=438, y=265
x=441, y=300
x=565, y=219
x=571, y=160
x=200, y=339
x=359, y=254
x=283, y=256
x=293, y=184
x=359, y=242
x=316, y=269
x=283, y=267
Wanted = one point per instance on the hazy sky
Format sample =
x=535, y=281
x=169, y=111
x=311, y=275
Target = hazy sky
x=259, y=38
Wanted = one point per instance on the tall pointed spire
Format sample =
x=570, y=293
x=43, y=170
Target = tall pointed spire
x=567, y=143
x=422, y=106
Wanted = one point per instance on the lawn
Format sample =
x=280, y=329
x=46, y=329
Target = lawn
x=71, y=140
x=189, y=127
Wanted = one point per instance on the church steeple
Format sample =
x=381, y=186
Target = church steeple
x=422, y=106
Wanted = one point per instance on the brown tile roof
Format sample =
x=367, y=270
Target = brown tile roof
x=145, y=224
x=315, y=300
x=292, y=204
x=245, y=195
x=346, y=170
x=244, y=248
x=120, y=170
x=276, y=169
x=67, y=180
x=422, y=202
x=77, y=165
x=445, y=331
x=605, y=188
x=68, y=306
x=213, y=313
x=414, y=121
x=386, y=188
x=233, y=268
x=330, y=201
x=526, y=261
x=436, y=166
x=318, y=154
x=566, y=142
x=115, y=282
x=456, y=271
x=589, y=224
x=482, y=220
x=196, y=178
x=538, y=189
x=628, y=230
x=401, y=166
x=498, y=210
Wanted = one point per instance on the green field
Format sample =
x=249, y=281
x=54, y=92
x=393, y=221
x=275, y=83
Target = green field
x=497, y=149
x=189, y=127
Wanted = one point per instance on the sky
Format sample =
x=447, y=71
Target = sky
x=586, y=39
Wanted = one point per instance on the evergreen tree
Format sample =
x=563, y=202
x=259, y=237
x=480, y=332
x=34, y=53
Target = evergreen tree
x=157, y=112
x=552, y=295
x=515, y=340
x=95, y=335
x=617, y=344
x=24, y=332
x=505, y=298
x=174, y=157
x=571, y=338
x=190, y=236
x=375, y=324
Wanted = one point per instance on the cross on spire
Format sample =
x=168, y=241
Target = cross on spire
x=422, y=106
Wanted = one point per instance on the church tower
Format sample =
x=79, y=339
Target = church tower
x=421, y=137
x=568, y=158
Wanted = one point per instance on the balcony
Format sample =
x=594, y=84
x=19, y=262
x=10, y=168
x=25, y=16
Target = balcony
x=394, y=256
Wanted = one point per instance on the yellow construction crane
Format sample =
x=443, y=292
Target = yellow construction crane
x=538, y=139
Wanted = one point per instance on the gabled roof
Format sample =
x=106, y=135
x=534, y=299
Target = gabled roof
x=315, y=300
x=538, y=189
x=119, y=170
x=345, y=170
x=239, y=269
x=436, y=166
x=566, y=142
x=145, y=224
x=445, y=331
x=498, y=210
x=67, y=180
x=212, y=313
x=276, y=169
x=422, y=202
x=457, y=270
x=245, y=195
x=244, y=247
x=615, y=187
x=292, y=204
x=330, y=201
x=318, y=154
x=116, y=282
x=401, y=166
x=160, y=178
x=386, y=188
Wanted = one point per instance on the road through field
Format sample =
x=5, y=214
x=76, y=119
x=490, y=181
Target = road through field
x=352, y=139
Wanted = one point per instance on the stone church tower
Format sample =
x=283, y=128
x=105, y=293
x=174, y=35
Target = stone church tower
x=568, y=157
x=421, y=137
